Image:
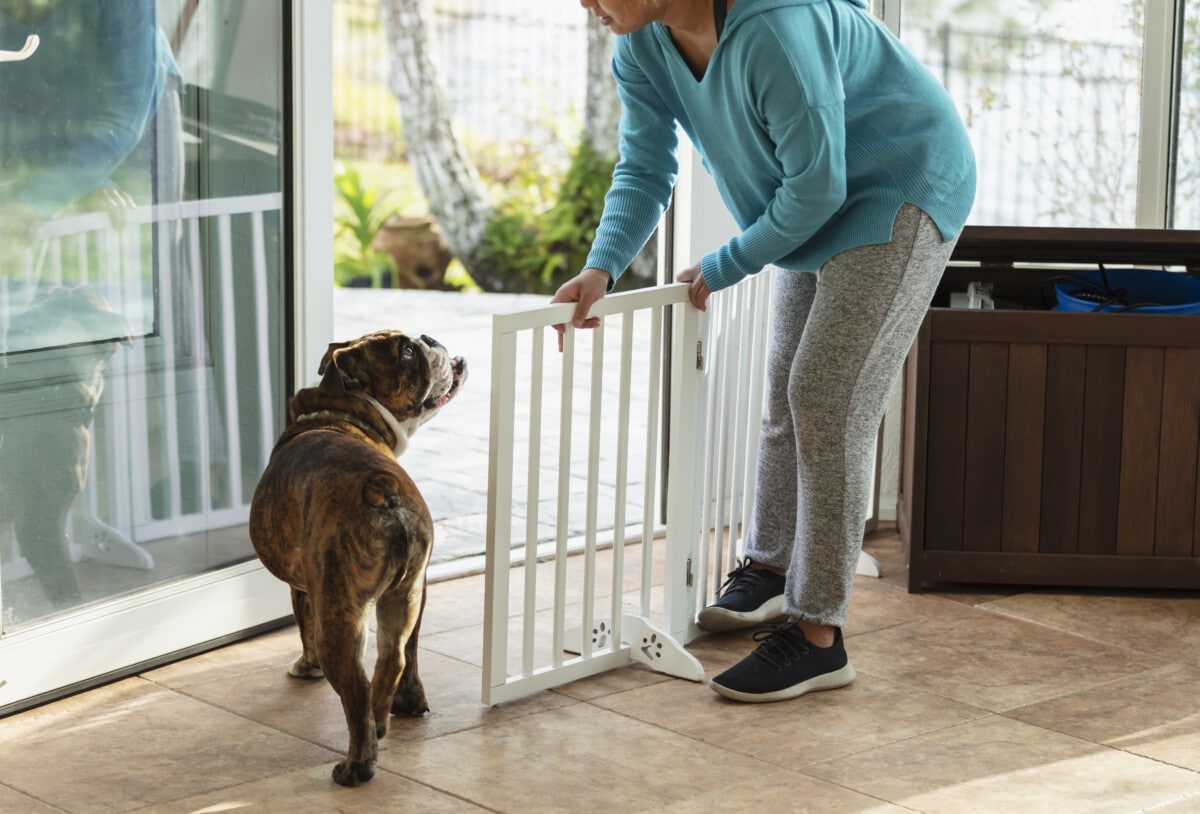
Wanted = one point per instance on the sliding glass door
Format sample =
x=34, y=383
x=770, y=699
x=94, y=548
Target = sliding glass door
x=145, y=289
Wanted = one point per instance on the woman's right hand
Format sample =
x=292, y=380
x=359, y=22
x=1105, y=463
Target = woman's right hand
x=585, y=289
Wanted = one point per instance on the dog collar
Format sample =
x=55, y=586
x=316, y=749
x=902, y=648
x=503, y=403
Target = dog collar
x=339, y=416
x=393, y=424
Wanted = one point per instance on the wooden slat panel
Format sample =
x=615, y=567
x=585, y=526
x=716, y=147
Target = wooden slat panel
x=1101, y=470
x=1142, y=415
x=1093, y=570
x=1062, y=449
x=983, y=484
x=1180, y=440
x=1024, y=431
x=1058, y=327
x=949, y=364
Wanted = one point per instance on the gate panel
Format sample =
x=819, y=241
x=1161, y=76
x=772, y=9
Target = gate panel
x=588, y=431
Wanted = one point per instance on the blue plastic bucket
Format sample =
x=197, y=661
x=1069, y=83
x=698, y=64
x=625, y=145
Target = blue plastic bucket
x=1137, y=291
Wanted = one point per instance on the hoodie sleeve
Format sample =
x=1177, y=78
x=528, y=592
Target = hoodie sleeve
x=796, y=83
x=645, y=172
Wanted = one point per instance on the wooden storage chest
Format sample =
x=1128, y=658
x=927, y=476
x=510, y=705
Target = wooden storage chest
x=1050, y=448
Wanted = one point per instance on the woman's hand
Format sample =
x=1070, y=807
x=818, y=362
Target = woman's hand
x=698, y=291
x=586, y=289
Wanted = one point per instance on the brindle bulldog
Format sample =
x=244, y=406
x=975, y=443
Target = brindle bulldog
x=341, y=522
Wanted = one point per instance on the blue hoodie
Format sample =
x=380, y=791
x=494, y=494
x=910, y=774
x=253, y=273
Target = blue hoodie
x=815, y=122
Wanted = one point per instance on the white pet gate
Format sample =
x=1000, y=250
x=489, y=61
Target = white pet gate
x=578, y=441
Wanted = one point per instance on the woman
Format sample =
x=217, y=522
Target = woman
x=846, y=166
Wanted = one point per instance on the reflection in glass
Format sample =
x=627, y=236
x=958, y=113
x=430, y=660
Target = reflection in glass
x=140, y=291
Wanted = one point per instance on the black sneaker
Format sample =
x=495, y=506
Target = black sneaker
x=749, y=597
x=785, y=665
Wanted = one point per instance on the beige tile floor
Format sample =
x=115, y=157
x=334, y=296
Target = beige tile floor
x=967, y=701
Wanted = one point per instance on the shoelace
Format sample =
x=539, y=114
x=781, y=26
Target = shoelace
x=780, y=644
x=743, y=579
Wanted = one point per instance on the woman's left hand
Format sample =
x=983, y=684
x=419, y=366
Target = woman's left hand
x=698, y=291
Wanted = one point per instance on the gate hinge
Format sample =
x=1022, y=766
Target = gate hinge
x=699, y=355
x=690, y=579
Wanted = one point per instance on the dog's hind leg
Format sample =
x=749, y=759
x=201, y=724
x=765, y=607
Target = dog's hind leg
x=410, y=695
x=340, y=640
x=397, y=615
x=308, y=665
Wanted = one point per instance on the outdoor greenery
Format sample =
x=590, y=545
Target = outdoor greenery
x=544, y=246
x=545, y=203
x=358, y=217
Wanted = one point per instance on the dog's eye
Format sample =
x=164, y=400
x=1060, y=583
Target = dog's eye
x=407, y=353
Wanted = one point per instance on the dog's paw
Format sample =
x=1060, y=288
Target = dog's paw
x=303, y=669
x=410, y=703
x=351, y=773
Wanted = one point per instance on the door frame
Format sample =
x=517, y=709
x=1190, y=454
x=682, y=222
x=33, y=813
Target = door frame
x=128, y=634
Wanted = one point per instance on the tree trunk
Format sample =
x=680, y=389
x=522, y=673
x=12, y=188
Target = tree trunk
x=601, y=105
x=447, y=177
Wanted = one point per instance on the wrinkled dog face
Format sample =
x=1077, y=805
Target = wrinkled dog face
x=410, y=378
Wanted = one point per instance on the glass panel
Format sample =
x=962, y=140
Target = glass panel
x=1051, y=93
x=140, y=291
x=1187, y=144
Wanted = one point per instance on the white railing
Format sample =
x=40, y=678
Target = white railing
x=167, y=458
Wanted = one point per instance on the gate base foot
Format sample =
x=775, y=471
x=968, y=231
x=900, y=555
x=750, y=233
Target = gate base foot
x=647, y=644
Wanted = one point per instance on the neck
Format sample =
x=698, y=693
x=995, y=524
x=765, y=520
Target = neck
x=690, y=18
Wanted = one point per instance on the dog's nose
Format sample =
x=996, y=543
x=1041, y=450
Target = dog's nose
x=430, y=341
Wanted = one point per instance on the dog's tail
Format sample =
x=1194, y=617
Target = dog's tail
x=395, y=496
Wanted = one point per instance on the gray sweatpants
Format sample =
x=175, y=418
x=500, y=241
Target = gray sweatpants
x=838, y=342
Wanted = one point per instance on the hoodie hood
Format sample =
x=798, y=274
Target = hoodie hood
x=743, y=10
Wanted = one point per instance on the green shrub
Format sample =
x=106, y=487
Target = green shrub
x=357, y=220
x=540, y=247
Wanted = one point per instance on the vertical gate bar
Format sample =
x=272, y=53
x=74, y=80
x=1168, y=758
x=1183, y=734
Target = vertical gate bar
x=533, y=479
x=499, y=528
x=715, y=379
x=229, y=349
x=125, y=512
x=170, y=397
x=717, y=419
x=760, y=320
x=593, y=483
x=564, y=493
x=266, y=424
x=53, y=257
x=682, y=531
x=746, y=379
x=650, y=487
x=81, y=254
x=200, y=363
x=622, y=470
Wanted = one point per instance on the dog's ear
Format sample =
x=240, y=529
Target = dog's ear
x=328, y=357
x=342, y=369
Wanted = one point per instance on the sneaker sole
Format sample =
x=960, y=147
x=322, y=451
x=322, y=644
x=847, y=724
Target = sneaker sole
x=719, y=620
x=827, y=681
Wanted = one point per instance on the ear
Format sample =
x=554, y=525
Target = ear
x=342, y=370
x=328, y=357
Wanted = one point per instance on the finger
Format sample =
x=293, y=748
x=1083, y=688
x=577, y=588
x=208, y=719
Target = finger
x=581, y=318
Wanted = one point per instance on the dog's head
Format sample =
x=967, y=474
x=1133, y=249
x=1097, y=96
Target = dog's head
x=406, y=379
